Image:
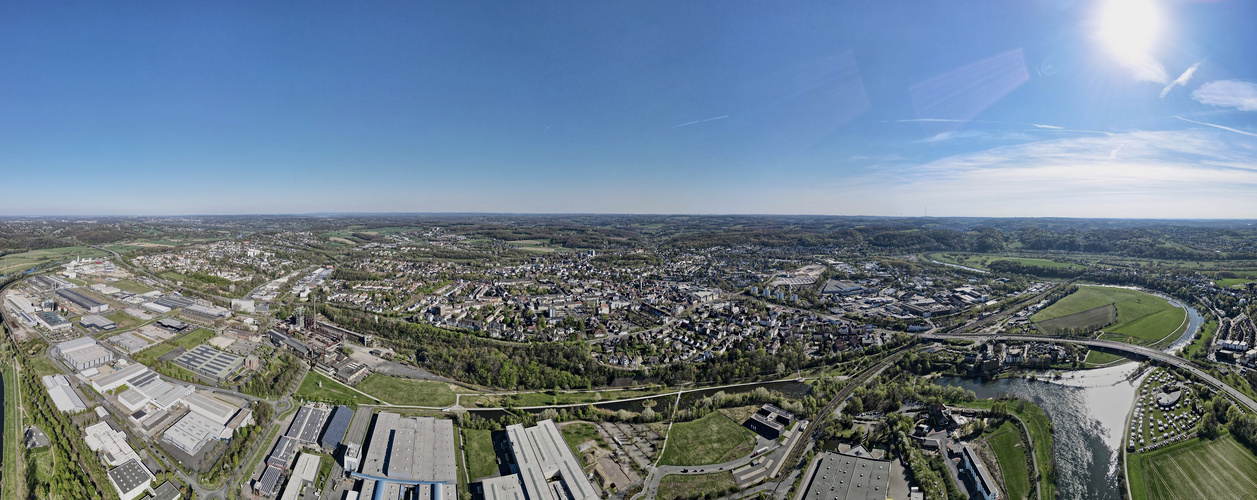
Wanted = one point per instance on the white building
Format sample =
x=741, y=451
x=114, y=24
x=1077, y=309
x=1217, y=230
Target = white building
x=62, y=394
x=82, y=353
x=131, y=479
x=111, y=444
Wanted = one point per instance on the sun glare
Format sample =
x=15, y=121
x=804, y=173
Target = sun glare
x=1129, y=27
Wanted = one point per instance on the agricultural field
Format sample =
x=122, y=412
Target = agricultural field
x=1091, y=318
x=1217, y=469
x=980, y=261
x=1005, y=441
x=1227, y=283
x=1141, y=318
x=317, y=387
x=407, y=392
x=481, y=459
x=713, y=439
x=682, y=486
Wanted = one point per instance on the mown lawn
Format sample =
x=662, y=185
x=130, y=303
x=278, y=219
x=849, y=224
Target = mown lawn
x=318, y=387
x=481, y=459
x=1101, y=358
x=407, y=392
x=674, y=486
x=1005, y=441
x=1217, y=469
x=713, y=439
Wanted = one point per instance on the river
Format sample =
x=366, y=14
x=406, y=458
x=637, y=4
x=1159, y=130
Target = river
x=1088, y=410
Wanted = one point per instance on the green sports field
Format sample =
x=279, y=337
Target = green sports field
x=1216, y=469
x=712, y=439
x=1141, y=318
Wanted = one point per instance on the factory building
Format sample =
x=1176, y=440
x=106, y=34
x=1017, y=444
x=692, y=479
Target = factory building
x=82, y=353
x=112, y=445
x=337, y=424
x=131, y=479
x=546, y=468
x=210, y=362
x=415, y=453
x=303, y=476
x=62, y=394
x=98, y=322
x=52, y=321
x=192, y=432
x=848, y=476
x=82, y=301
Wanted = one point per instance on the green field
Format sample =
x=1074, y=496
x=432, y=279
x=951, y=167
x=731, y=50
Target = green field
x=149, y=356
x=1095, y=357
x=674, y=486
x=1141, y=318
x=22, y=261
x=192, y=339
x=712, y=439
x=331, y=391
x=1010, y=451
x=980, y=261
x=1095, y=317
x=131, y=286
x=1202, y=341
x=481, y=459
x=41, y=365
x=1196, y=468
x=407, y=392
x=123, y=320
x=1227, y=283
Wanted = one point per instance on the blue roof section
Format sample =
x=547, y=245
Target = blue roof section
x=337, y=424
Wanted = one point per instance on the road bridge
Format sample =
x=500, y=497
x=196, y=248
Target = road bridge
x=1136, y=351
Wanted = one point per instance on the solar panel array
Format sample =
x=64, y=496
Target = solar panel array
x=209, y=361
x=307, y=424
x=269, y=484
x=337, y=424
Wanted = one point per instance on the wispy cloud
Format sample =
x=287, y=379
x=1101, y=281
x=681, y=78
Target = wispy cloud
x=1181, y=80
x=1228, y=93
x=1051, y=127
x=932, y=120
x=1184, y=173
x=686, y=124
x=1214, y=125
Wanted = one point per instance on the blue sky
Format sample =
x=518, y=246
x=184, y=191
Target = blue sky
x=1110, y=108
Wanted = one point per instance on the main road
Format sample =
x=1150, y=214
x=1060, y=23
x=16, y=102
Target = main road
x=1135, y=350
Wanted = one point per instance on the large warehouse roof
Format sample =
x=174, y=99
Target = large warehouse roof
x=306, y=425
x=542, y=454
x=337, y=424
x=191, y=432
x=208, y=361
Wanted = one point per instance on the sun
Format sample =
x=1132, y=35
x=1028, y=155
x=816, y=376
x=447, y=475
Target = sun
x=1129, y=28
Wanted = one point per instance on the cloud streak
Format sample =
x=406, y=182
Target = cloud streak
x=1228, y=94
x=1049, y=127
x=1214, y=125
x=695, y=122
x=1181, y=80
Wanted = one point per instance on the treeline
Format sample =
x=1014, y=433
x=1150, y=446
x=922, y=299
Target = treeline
x=1014, y=267
x=210, y=279
x=353, y=275
x=243, y=440
x=544, y=365
x=80, y=474
x=280, y=375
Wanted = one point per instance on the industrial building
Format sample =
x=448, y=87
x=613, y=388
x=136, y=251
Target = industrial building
x=206, y=314
x=131, y=479
x=112, y=445
x=192, y=432
x=848, y=476
x=545, y=466
x=337, y=424
x=303, y=476
x=82, y=353
x=98, y=322
x=172, y=324
x=213, y=409
x=167, y=491
x=306, y=425
x=268, y=484
x=52, y=321
x=62, y=394
x=210, y=362
x=82, y=301
x=770, y=421
x=146, y=387
x=415, y=453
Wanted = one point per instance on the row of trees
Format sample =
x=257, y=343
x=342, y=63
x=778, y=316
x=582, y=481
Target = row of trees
x=78, y=474
x=237, y=449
